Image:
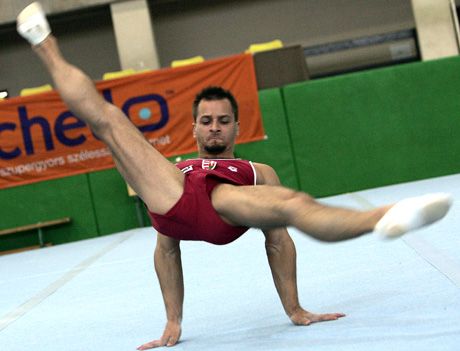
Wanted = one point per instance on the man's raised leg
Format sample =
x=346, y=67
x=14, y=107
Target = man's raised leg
x=275, y=206
x=158, y=182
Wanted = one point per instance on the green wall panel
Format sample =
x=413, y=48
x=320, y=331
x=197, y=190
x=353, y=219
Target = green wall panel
x=376, y=128
x=276, y=151
x=114, y=209
x=64, y=197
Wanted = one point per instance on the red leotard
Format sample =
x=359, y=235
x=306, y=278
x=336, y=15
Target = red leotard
x=193, y=217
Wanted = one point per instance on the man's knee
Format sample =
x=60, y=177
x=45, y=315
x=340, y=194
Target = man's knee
x=297, y=200
x=300, y=197
x=107, y=122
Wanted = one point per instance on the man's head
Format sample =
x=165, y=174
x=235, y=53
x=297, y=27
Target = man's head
x=215, y=93
x=215, y=127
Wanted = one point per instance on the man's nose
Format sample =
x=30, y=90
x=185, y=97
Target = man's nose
x=215, y=126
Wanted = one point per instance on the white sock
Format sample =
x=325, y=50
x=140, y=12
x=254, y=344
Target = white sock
x=413, y=213
x=32, y=24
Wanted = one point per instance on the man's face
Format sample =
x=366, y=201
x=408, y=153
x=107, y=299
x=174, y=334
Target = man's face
x=215, y=128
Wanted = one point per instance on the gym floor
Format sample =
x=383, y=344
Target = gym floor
x=102, y=294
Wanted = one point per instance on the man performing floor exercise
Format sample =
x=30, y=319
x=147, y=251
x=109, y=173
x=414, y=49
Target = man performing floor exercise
x=215, y=198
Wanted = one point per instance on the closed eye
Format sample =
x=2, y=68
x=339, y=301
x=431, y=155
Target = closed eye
x=224, y=119
x=205, y=120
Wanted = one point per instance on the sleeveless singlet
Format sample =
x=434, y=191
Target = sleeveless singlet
x=193, y=217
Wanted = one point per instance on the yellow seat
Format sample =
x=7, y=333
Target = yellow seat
x=189, y=61
x=36, y=90
x=118, y=74
x=270, y=45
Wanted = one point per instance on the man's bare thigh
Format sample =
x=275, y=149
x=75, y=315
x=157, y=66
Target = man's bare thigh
x=157, y=181
x=260, y=206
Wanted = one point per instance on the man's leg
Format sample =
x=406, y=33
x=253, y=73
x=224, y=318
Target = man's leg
x=158, y=182
x=275, y=206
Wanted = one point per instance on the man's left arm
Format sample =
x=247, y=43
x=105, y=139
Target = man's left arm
x=282, y=255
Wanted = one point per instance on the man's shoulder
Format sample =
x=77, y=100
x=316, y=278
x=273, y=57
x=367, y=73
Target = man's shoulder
x=266, y=174
x=263, y=166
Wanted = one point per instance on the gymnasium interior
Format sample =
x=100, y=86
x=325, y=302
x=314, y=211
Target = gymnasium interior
x=359, y=105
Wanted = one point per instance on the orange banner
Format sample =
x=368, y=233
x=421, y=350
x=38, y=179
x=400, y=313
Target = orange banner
x=41, y=139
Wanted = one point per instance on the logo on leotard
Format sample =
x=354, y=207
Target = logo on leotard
x=208, y=164
x=233, y=169
x=187, y=169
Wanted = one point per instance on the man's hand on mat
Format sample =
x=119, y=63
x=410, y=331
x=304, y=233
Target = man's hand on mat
x=170, y=337
x=302, y=317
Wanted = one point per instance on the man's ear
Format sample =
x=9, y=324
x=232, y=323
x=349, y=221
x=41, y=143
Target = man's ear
x=238, y=128
x=194, y=131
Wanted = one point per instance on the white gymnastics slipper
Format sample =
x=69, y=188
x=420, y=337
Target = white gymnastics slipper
x=32, y=24
x=413, y=213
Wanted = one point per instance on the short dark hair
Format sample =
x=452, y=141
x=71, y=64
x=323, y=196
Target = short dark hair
x=215, y=93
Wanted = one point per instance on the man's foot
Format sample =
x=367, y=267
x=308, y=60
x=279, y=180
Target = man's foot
x=32, y=24
x=413, y=213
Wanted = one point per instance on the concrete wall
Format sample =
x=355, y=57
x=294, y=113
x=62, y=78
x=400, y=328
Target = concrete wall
x=86, y=39
x=437, y=35
x=200, y=27
x=225, y=27
x=9, y=9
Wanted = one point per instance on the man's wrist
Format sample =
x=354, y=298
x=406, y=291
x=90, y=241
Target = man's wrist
x=175, y=320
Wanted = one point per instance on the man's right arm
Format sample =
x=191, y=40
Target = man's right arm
x=168, y=266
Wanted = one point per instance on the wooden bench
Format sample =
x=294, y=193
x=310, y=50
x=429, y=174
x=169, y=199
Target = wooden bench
x=38, y=226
